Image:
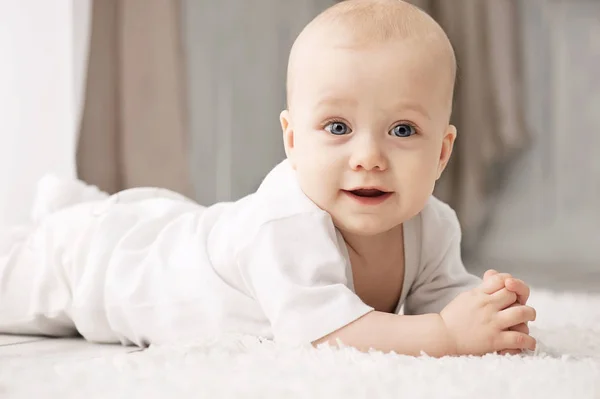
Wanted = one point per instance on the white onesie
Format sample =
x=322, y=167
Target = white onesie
x=149, y=266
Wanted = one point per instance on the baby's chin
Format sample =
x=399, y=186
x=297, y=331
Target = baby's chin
x=365, y=225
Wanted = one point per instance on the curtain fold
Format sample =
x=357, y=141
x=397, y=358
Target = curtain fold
x=133, y=130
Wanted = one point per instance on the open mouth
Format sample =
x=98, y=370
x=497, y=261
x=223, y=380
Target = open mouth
x=368, y=196
x=368, y=192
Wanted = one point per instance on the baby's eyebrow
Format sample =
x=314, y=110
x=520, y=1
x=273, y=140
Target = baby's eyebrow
x=413, y=107
x=336, y=101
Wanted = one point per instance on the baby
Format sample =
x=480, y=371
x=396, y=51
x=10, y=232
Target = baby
x=343, y=241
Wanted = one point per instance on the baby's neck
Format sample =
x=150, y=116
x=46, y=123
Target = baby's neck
x=374, y=247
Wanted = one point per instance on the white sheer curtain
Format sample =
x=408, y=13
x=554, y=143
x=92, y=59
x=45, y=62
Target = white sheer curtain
x=43, y=47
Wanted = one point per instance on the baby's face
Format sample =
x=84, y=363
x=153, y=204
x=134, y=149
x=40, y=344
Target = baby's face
x=367, y=132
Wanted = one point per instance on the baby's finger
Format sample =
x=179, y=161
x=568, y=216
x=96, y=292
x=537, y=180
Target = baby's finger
x=494, y=283
x=504, y=276
x=489, y=273
x=502, y=299
x=513, y=316
x=525, y=324
x=520, y=288
x=522, y=328
x=514, y=340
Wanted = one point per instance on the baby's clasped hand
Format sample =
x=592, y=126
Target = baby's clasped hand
x=520, y=288
x=490, y=318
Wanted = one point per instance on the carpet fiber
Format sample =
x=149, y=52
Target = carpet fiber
x=565, y=365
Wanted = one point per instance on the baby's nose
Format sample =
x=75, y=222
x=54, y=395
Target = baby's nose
x=368, y=155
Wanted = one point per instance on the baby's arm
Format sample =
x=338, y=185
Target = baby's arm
x=475, y=323
x=407, y=335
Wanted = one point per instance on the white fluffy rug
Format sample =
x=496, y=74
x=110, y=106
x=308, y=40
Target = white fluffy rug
x=565, y=365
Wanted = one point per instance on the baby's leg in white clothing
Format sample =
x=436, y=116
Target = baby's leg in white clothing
x=34, y=295
x=129, y=269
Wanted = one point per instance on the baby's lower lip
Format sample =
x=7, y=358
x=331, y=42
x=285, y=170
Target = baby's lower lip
x=368, y=200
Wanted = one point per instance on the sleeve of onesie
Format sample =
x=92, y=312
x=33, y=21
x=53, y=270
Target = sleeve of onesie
x=442, y=275
x=294, y=267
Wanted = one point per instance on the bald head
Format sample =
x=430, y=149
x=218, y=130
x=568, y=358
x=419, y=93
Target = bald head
x=360, y=24
x=367, y=21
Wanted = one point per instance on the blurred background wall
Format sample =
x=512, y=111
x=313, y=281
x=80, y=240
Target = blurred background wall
x=547, y=217
x=186, y=94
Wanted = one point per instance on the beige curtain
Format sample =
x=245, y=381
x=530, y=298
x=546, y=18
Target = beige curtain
x=488, y=108
x=133, y=129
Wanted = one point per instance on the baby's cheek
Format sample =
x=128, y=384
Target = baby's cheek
x=317, y=185
x=418, y=186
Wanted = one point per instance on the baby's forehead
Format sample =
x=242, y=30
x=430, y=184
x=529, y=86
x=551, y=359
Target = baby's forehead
x=367, y=26
x=332, y=70
x=399, y=60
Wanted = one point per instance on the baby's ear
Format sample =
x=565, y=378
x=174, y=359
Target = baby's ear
x=288, y=135
x=447, y=146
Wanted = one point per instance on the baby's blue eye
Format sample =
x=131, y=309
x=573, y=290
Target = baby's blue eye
x=403, y=130
x=337, y=128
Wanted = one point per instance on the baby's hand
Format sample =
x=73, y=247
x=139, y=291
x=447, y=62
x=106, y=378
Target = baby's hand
x=512, y=284
x=478, y=320
x=522, y=291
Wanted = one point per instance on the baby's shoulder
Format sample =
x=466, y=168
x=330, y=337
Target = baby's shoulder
x=438, y=222
x=278, y=201
x=280, y=196
x=260, y=209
